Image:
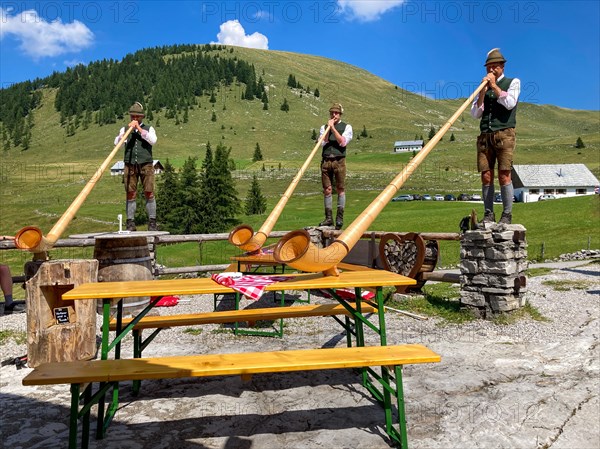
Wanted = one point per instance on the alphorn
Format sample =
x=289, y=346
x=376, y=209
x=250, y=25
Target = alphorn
x=295, y=248
x=32, y=239
x=243, y=236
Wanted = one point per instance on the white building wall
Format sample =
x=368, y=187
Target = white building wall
x=524, y=193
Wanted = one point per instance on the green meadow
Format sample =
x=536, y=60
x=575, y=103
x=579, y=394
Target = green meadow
x=37, y=185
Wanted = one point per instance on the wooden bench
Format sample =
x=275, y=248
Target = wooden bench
x=109, y=372
x=232, y=316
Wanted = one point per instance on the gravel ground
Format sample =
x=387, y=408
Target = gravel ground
x=531, y=384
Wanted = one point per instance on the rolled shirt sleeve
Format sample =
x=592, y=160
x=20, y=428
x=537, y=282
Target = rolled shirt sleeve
x=510, y=98
x=347, y=135
x=148, y=135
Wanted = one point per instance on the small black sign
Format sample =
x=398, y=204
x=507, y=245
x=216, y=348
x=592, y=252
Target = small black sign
x=62, y=315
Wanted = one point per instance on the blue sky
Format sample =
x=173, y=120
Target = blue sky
x=430, y=47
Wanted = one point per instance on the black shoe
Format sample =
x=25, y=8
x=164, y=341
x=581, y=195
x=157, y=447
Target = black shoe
x=152, y=226
x=505, y=218
x=339, y=218
x=131, y=226
x=488, y=217
x=328, y=218
x=14, y=307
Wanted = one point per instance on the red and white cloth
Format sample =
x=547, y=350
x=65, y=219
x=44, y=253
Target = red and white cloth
x=348, y=294
x=249, y=285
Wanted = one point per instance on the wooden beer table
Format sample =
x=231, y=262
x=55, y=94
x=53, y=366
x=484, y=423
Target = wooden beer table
x=107, y=291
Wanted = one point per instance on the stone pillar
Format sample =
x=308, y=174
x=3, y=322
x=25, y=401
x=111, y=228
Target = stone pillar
x=492, y=267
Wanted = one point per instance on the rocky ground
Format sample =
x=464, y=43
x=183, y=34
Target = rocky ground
x=532, y=384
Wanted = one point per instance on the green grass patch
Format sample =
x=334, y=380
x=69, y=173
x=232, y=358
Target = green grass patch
x=439, y=300
x=566, y=285
x=192, y=331
x=18, y=336
x=38, y=185
x=526, y=312
x=533, y=272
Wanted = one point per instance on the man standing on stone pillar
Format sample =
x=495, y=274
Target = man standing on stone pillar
x=496, y=106
x=139, y=166
x=333, y=164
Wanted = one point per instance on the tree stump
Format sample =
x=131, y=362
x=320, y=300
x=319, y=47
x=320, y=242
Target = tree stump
x=57, y=330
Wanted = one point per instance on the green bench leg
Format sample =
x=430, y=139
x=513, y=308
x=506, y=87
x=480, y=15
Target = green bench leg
x=401, y=411
x=73, y=416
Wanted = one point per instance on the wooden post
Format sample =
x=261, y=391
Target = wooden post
x=57, y=330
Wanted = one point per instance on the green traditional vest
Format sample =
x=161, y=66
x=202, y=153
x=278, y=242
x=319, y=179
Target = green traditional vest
x=495, y=116
x=332, y=147
x=137, y=150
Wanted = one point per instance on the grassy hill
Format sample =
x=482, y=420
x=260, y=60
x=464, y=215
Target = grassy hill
x=37, y=185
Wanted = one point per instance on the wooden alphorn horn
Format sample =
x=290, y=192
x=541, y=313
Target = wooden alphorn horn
x=295, y=248
x=32, y=239
x=244, y=237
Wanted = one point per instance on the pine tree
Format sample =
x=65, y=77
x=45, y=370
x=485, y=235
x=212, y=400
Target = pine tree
x=292, y=81
x=26, y=139
x=452, y=138
x=256, y=203
x=168, y=198
x=257, y=154
x=317, y=93
x=314, y=136
x=5, y=140
x=189, y=212
x=186, y=117
x=431, y=132
x=213, y=99
x=220, y=203
x=579, y=143
x=285, y=107
x=214, y=117
x=364, y=133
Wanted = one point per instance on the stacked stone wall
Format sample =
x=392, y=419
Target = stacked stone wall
x=492, y=267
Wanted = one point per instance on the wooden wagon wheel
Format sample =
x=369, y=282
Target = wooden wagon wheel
x=403, y=254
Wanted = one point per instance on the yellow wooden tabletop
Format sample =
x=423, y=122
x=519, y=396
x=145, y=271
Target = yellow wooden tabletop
x=201, y=286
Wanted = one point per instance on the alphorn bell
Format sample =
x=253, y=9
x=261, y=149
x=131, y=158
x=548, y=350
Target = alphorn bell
x=244, y=237
x=32, y=239
x=295, y=248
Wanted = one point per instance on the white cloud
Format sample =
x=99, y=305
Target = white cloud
x=39, y=38
x=367, y=10
x=233, y=33
x=72, y=62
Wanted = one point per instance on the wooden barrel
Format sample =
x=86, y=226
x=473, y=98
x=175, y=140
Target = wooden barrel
x=123, y=258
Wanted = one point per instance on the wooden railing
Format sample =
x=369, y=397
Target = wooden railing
x=158, y=240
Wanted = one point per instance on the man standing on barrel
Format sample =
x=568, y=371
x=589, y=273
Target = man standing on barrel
x=496, y=106
x=333, y=164
x=139, y=166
